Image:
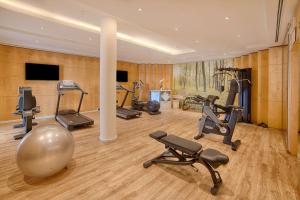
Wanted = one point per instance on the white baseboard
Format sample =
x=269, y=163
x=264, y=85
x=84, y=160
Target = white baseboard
x=41, y=118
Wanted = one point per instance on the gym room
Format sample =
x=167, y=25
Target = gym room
x=139, y=99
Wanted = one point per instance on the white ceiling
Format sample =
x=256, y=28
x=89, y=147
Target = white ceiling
x=197, y=25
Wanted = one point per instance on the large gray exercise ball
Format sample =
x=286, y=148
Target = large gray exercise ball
x=45, y=151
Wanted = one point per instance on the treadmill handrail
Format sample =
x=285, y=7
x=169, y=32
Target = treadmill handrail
x=61, y=88
x=121, y=87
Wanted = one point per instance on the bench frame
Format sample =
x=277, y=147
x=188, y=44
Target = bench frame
x=187, y=159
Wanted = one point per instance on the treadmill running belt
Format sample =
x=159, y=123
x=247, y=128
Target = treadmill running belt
x=127, y=114
x=74, y=119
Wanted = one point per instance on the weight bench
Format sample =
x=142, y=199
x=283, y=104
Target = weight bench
x=187, y=153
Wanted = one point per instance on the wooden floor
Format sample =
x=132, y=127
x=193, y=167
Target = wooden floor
x=260, y=169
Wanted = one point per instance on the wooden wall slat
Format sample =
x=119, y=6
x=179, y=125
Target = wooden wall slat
x=285, y=89
x=151, y=74
x=245, y=61
x=293, y=101
x=253, y=63
x=237, y=62
x=262, y=87
x=275, y=88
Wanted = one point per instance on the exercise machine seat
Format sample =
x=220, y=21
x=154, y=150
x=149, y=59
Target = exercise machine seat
x=180, y=151
x=181, y=144
x=214, y=156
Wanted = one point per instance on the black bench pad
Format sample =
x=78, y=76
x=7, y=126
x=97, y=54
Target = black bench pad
x=214, y=157
x=158, y=135
x=181, y=144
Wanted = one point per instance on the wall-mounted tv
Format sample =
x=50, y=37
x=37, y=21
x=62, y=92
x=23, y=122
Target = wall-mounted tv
x=122, y=76
x=41, y=72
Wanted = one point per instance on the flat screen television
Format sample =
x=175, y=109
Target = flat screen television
x=41, y=72
x=122, y=76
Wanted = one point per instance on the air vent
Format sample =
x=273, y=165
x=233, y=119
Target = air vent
x=279, y=12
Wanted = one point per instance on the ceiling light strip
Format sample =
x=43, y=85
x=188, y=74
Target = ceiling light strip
x=37, y=12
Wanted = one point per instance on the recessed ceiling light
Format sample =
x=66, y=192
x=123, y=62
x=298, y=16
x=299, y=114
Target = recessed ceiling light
x=28, y=9
x=140, y=9
x=227, y=18
x=42, y=28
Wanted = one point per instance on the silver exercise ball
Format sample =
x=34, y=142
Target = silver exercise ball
x=45, y=151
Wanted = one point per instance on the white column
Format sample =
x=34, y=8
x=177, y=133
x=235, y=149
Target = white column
x=108, y=65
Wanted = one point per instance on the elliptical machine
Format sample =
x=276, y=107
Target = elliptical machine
x=209, y=123
x=151, y=107
x=27, y=108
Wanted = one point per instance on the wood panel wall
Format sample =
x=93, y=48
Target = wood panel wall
x=268, y=83
x=285, y=88
x=297, y=16
x=133, y=75
x=245, y=61
x=262, y=86
x=151, y=74
x=237, y=62
x=253, y=63
x=83, y=70
x=293, y=101
x=275, y=87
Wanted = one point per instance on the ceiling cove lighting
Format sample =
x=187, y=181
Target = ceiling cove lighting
x=44, y=14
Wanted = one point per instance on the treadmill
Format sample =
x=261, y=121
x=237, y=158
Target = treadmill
x=71, y=119
x=125, y=113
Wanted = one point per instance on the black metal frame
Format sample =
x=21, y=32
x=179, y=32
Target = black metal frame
x=210, y=124
x=60, y=89
x=60, y=93
x=242, y=77
x=19, y=108
x=125, y=113
x=141, y=105
x=245, y=94
x=26, y=108
x=186, y=159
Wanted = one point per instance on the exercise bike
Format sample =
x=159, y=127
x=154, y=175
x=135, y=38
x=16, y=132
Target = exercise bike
x=209, y=123
x=20, y=107
x=27, y=108
x=151, y=107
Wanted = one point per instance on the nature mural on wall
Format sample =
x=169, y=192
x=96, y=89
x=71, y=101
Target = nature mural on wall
x=197, y=78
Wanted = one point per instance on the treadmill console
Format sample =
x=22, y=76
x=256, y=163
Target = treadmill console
x=67, y=84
